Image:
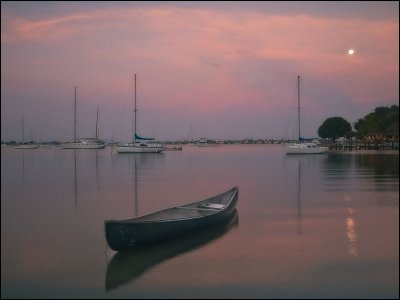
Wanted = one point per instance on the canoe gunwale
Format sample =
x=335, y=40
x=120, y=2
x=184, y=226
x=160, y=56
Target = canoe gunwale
x=190, y=206
x=171, y=222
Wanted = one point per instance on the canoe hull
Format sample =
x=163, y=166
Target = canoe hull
x=126, y=266
x=122, y=235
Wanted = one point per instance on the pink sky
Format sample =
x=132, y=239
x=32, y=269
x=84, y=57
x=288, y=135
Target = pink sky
x=225, y=69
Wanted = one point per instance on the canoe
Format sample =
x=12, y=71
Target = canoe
x=170, y=222
x=127, y=266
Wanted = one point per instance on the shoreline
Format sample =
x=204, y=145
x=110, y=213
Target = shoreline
x=365, y=151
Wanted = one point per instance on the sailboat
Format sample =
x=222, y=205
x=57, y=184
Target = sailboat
x=87, y=143
x=139, y=144
x=23, y=145
x=303, y=147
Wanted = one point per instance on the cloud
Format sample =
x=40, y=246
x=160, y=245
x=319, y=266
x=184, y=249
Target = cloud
x=201, y=59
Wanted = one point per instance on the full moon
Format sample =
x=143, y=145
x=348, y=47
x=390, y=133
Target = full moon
x=351, y=51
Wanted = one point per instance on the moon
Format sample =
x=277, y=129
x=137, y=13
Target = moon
x=351, y=51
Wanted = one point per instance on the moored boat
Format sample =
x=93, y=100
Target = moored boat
x=171, y=222
x=139, y=144
x=27, y=146
x=84, y=143
x=87, y=143
x=139, y=147
x=301, y=147
x=305, y=148
x=24, y=145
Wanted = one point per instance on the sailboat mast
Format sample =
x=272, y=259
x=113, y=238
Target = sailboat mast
x=97, y=125
x=23, y=133
x=188, y=135
x=135, y=110
x=75, y=117
x=298, y=103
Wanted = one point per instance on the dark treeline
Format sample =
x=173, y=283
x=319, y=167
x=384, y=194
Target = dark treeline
x=382, y=123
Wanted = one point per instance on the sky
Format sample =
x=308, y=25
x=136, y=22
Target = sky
x=223, y=70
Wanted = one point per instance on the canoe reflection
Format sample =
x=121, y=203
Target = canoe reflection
x=128, y=265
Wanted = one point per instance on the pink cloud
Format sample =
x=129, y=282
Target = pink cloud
x=18, y=29
x=201, y=60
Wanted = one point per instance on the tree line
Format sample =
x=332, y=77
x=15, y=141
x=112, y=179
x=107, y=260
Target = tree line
x=383, y=121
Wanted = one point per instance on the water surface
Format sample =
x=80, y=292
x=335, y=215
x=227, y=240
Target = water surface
x=316, y=226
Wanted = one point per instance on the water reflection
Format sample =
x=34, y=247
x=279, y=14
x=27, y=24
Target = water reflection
x=26, y=165
x=135, y=173
x=299, y=227
x=299, y=162
x=381, y=169
x=23, y=168
x=75, y=184
x=135, y=192
x=351, y=233
x=128, y=265
x=27, y=160
x=97, y=172
x=79, y=178
x=386, y=165
x=369, y=172
x=345, y=206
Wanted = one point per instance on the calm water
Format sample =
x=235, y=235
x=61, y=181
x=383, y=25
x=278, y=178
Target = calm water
x=306, y=226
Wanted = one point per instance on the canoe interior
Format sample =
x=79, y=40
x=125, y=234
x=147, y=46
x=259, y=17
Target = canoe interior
x=201, y=208
x=171, y=222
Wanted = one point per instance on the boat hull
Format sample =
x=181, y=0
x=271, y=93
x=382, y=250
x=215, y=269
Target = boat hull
x=26, y=147
x=138, y=149
x=126, y=234
x=296, y=149
x=82, y=146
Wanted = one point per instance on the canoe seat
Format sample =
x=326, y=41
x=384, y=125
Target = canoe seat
x=212, y=205
x=208, y=206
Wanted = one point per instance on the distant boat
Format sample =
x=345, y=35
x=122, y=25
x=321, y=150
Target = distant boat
x=85, y=143
x=173, y=148
x=24, y=145
x=139, y=144
x=202, y=142
x=170, y=222
x=303, y=147
x=27, y=146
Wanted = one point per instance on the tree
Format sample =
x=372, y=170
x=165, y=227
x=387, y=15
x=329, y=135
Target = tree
x=334, y=127
x=384, y=120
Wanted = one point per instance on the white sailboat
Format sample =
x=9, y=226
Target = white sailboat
x=139, y=144
x=84, y=143
x=303, y=147
x=202, y=142
x=27, y=145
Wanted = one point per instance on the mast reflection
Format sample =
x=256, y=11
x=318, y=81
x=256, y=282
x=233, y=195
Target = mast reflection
x=75, y=184
x=135, y=189
x=23, y=168
x=299, y=216
x=293, y=159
